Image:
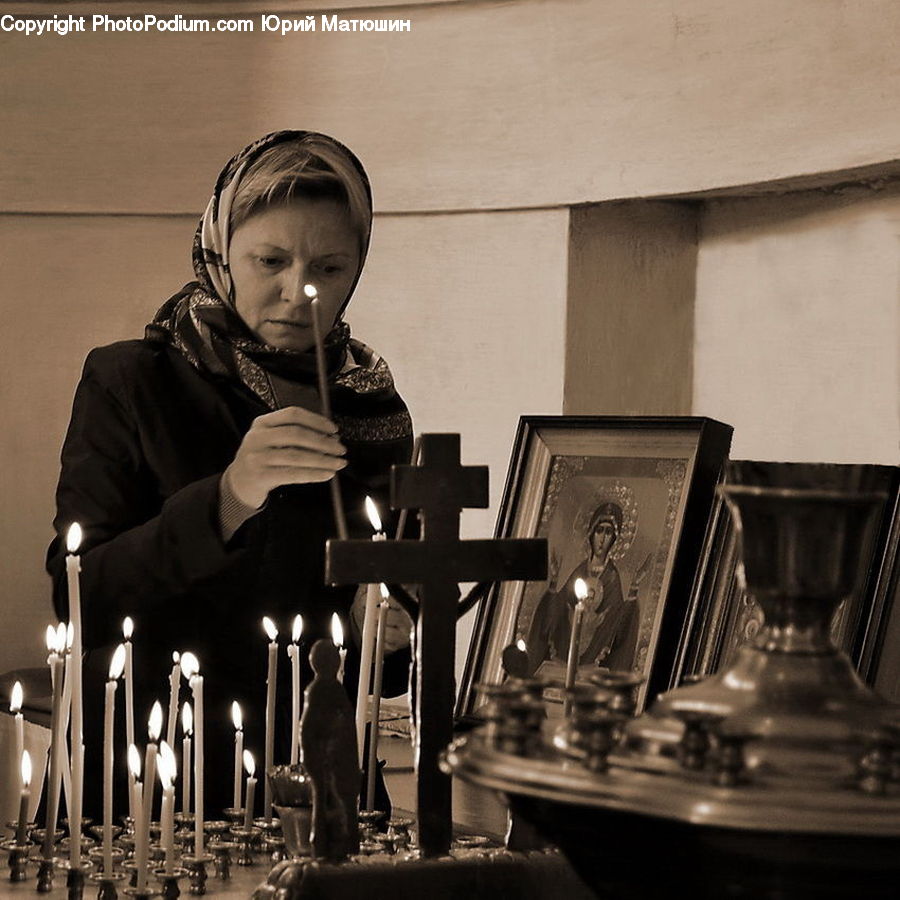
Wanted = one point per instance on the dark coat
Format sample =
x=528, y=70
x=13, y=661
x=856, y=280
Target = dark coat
x=148, y=441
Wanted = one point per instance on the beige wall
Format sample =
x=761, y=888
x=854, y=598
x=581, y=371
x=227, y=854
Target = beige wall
x=797, y=325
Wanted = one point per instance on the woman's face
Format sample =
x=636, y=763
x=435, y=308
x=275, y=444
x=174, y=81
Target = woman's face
x=277, y=251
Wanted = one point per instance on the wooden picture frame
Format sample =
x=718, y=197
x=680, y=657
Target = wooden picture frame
x=649, y=482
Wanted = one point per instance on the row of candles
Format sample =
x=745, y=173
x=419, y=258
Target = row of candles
x=63, y=644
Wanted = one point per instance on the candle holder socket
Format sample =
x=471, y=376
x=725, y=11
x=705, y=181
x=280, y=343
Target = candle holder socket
x=221, y=851
x=75, y=876
x=169, y=882
x=245, y=838
x=96, y=855
x=29, y=828
x=197, y=874
x=107, y=882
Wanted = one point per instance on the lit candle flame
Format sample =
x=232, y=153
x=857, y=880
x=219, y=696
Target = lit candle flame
x=155, y=722
x=176, y=656
x=385, y=593
x=166, y=767
x=50, y=638
x=61, y=637
x=16, y=698
x=190, y=665
x=310, y=291
x=372, y=512
x=70, y=636
x=117, y=665
x=297, y=630
x=581, y=590
x=134, y=761
x=187, y=719
x=73, y=538
x=270, y=628
x=26, y=769
x=127, y=627
x=337, y=631
x=237, y=716
x=249, y=763
x=522, y=645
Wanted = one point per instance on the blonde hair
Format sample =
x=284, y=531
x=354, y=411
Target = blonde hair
x=310, y=167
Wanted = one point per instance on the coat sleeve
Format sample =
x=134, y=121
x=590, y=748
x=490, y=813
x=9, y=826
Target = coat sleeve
x=139, y=551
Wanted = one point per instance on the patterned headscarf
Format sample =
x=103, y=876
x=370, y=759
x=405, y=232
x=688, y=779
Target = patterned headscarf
x=201, y=320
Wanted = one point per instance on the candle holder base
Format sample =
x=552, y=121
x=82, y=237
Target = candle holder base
x=245, y=838
x=196, y=867
x=45, y=873
x=75, y=881
x=107, y=882
x=18, y=859
x=221, y=850
x=169, y=882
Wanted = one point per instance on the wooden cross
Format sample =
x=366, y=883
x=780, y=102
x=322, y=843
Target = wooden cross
x=440, y=487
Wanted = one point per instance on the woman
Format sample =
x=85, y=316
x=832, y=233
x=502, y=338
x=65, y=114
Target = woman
x=197, y=460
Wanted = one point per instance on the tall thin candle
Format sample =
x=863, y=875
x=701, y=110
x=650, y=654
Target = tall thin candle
x=271, y=677
x=134, y=779
x=127, y=631
x=73, y=568
x=53, y=781
x=187, y=729
x=294, y=656
x=318, y=333
x=142, y=836
x=166, y=768
x=174, y=682
x=376, y=699
x=190, y=668
x=116, y=666
x=238, y=719
x=15, y=709
x=24, y=797
x=250, y=766
x=367, y=641
x=581, y=593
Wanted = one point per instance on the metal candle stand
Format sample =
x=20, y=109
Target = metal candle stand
x=107, y=884
x=197, y=872
x=169, y=882
x=244, y=837
x=18, y=858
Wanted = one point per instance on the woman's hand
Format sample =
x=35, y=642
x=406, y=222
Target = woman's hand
x=288, y=446
x=397, y=623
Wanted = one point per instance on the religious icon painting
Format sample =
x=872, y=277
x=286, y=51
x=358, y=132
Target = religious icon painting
x=725, y=616
x=624, y=504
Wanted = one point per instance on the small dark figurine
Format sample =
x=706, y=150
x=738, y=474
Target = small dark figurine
x=330, y=757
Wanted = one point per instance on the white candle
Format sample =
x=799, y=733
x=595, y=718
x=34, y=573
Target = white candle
x=376, y=699
x=134, y=782
x=581, y=593
x=66, y=636
x=319, y=336
x=187, y=729
x=53, y=781
x=142, y=837
x=238, y=719
x=15, y=709
x=271, y=677
x=24, y=797
x=294, y=656
x=367, y=641
x=337, y=636
x=190, y=668
x=73, y=568
x=127, y=631
x=174, y=681
x=250, y=766
x=115, y=672
x=167, y=771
